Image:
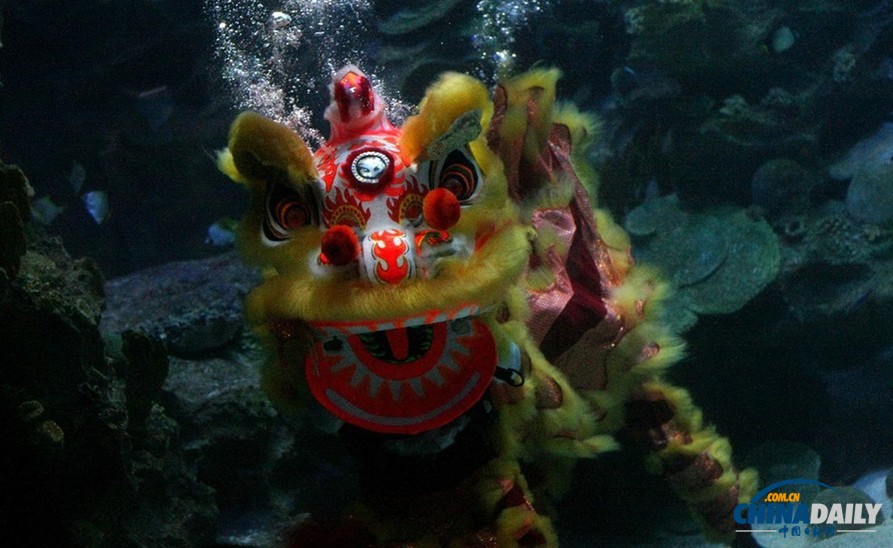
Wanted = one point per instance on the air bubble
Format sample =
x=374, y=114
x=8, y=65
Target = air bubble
x=280, y=20
x=278, y=57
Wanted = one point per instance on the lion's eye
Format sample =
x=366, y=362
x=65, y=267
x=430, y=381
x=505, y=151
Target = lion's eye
x=288, y=210
x=459, y=174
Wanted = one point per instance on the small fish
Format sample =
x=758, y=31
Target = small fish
x=279, y=20
x=156, y=106
x=222, y=233
x=652, y=190
x=97, y=204
x=45, y=211
x=782, y=39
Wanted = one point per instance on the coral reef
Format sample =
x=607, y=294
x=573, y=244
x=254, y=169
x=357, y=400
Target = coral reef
x=869, y=198
x=260, y=468
x=703, y=98
x=191, y=306
x=92, y=458
x=717, y=260
x=781, y=188
x=124, y=445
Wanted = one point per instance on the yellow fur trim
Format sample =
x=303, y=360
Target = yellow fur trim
x=627, y=371
x=556, y=195
x=612, y=234
x=748, y=483
x=632, y=363
x=517, y=304
x=612, y=406
x=584, y=128
x=452, y=95
x=263, y=150
x=568, y=430
x=702, y=441
x=500, y=474
x=228, y=167
x=483, y=279
x=546, y=243
x=517, y=95
x=688, y=415
x=283, y=381
x=490, y=487
x=515, y=422
x=490, y=208
x=513, y=522
x=540, y=279
x=641, y=295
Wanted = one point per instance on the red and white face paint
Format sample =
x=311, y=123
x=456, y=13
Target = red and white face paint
x=388, y=221
x=367, y=187
x=371, y=204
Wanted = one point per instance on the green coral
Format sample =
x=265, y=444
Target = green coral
x=685, y=265
x=753, y=260
x=717, y=260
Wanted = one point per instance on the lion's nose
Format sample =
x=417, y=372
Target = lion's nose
x=389, y=256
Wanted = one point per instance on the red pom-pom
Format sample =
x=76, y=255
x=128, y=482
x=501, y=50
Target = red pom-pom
x=441, y=209
x=340, y=245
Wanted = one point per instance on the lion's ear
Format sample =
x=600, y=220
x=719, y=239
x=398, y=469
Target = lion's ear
x=262, y=150
x=450, y=116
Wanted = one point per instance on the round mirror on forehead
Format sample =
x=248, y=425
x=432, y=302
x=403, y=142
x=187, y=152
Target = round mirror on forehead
x=370, y=167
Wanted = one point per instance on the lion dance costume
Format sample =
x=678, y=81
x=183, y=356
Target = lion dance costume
x=446, y=293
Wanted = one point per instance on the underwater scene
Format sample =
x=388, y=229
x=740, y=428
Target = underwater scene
x=459, y=273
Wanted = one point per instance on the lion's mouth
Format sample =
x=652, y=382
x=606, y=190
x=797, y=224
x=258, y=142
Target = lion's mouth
x=402, y=376
x=399, y=346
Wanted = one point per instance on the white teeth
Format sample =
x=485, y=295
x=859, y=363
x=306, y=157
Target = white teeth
x=358, y=375
x=435, y=377
x=395, y=389
x=374, y=384
x=416, y=385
